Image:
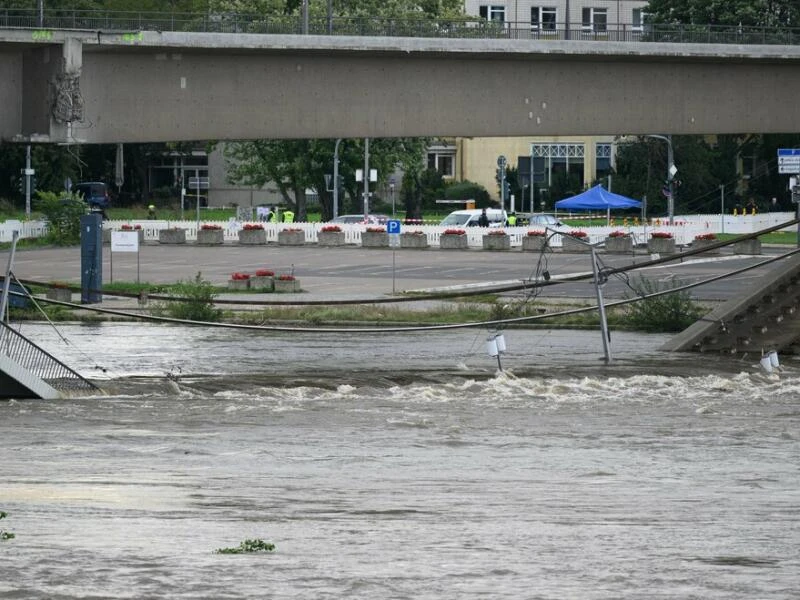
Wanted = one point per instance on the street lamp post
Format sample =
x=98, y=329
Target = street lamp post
x=391, y=191
x=671, y=170
x=336, y=178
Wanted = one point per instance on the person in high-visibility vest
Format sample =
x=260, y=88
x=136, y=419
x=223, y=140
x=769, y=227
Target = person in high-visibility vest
x=273, y=216
x=288, y=216
x=512, y=219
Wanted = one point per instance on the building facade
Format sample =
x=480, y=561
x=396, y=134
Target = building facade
x=547, y=166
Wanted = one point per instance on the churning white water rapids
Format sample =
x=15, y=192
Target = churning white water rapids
x=401, y=466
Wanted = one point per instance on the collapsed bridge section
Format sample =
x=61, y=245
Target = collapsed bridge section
x=764, y=317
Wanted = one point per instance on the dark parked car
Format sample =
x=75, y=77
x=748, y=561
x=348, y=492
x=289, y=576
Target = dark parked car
x=95, y=193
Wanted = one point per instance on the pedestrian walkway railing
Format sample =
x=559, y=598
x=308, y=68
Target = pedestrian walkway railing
x=462, y=28
x=40, y=363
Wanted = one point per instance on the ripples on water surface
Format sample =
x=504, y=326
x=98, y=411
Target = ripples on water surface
x=401, y=466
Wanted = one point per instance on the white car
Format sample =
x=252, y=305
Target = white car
x=469, y=217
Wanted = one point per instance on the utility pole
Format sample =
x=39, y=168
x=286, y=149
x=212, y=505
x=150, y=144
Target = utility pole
x=28, y=173
x=671, y=171
x=366, y=179
x=336, y=178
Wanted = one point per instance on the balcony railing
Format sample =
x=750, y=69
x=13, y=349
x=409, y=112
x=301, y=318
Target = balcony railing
x=465, y=28
x=40, y=362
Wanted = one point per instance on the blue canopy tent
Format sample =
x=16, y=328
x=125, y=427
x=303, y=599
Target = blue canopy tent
x=597, y=198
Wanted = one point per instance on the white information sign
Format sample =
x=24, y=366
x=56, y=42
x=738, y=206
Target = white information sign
x=788, y=161
x=125, y=241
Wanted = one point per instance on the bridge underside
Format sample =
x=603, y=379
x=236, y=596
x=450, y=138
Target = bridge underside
x=762, y=318
x=99, y=88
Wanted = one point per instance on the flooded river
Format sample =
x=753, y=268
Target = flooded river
x=401, y=466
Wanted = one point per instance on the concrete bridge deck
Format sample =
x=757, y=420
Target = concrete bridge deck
x=106, y=87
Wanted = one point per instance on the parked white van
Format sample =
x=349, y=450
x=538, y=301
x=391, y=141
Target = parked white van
x=469, y=217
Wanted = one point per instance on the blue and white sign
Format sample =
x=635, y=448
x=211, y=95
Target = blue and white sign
x=789, y=160
x=393, y=226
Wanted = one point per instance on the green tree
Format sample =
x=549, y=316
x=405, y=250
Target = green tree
x=296, y=165
x=766, y=13
x=63, y=215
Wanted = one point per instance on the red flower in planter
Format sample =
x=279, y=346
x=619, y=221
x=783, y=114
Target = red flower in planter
x=210, y=227
x=454, y=232
x=417, y=232
x=240, y=276
x=286, y=277
x=292, y=229
x=252, y=226
x=496, y=232
x=706, y=236
x=536, y=232
x=579, y=234
x=618, y=234
x=126, y=227
x=264, y=273
x=664, y=235
x=376, y=229
x=331, y=228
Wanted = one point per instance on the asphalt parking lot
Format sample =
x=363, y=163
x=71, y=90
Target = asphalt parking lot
x=343, y=273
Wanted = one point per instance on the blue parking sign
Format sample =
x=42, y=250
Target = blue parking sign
x=393, y=226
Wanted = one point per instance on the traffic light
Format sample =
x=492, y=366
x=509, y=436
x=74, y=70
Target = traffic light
x=33, y=183
x=21, y=185
x=506, y=189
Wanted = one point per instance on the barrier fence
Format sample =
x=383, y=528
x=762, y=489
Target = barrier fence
x=684, y=229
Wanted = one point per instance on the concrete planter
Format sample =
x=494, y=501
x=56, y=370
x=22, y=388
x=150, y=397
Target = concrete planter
x=238, y=284
x=210, y=237
x=747, y=247
x=573, y=246
x=287, y=285
x=619, y=244
x=60, y=294
x=264, y=283
x=534, y=243
x=330, y=238
x=374, y=239
x=661, y=246
x=452, y=241
x=172, y=236
x=291, y=238
x=413, y=240
x=702, y=244
x=496, y=242
x=252, y=237
x=106, y=236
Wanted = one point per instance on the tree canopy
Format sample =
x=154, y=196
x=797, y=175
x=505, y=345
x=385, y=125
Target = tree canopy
x=760, y=13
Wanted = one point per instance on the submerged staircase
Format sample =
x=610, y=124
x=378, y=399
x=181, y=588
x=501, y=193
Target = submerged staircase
x=28, y=371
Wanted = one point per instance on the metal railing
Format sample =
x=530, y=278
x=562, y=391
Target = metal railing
x=462, y=28
x=40, y=362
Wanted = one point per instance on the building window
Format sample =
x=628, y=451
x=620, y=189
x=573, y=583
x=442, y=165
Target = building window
x=636, y=19
x=602, y=162
x=558, y=167
x=595, y=19
x=492, y=12
x=443, y=162
x=543, y=18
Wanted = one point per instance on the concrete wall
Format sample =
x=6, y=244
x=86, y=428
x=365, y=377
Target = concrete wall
x=10, y=93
